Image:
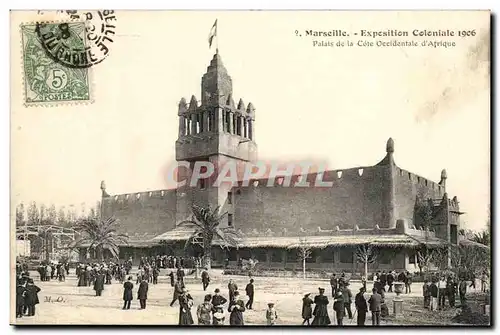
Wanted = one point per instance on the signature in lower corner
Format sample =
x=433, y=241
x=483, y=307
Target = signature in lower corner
x=51, y=299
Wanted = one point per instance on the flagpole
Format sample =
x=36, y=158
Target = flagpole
x=217, y=39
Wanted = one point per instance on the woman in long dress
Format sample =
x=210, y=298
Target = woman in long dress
x=320, y=312
x=236, y=308
x=185, y=304
x=307, y=309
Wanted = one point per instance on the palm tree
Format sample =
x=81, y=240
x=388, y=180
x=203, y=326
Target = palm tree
x=206, y=223
x=100, y=235
x=482, y=237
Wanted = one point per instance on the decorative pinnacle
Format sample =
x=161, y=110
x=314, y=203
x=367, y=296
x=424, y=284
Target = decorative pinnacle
x=390, y=146
x=444, y=175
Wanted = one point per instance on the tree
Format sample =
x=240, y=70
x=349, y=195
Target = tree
x=43, y=214
x=101, y=235
x=206, y=223
x=61, y=217
x=33, y=214
x=482, y=237
x=366, y=254
x=304, y=253
x=424, y=212
x=20, y=214
x=52, y=215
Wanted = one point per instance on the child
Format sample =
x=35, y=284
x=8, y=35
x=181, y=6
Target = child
x=271, y=314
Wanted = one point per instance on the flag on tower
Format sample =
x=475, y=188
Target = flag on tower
x=213, y=33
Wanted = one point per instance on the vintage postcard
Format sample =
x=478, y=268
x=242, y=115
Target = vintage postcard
x=256, y=168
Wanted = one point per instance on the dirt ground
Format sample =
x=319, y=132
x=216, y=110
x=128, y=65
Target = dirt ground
x=64, y=303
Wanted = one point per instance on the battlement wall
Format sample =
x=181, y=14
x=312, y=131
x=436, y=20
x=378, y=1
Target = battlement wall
x=145, y=213
x=354, y=199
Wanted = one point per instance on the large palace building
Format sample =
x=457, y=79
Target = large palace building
x=377, y=205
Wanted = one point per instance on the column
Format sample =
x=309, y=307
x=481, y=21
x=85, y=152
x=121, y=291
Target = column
x=193, y=123
x=204, y=121
x=250, y=129
x=245, y=127
x=219, y=119
x=231, y=122
x=241, y=120
x=181, y=125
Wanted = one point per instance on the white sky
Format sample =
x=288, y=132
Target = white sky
x=333, y=104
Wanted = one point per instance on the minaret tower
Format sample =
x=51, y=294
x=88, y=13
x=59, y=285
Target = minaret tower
x=216, y=131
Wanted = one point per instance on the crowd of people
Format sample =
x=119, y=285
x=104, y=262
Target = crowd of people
x=212, y=310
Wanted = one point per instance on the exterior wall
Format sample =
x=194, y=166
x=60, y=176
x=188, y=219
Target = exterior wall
x=152, y=213
x=353, y=199
x=407, y=187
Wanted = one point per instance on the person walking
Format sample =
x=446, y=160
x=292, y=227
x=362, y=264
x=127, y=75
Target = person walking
x=127, y=293
x=320, y=312
x=375, y=301
x=347, y=299
x=178, y=287
x=99, y=284
x=307, y=309
x=185, y=305
x=142, y=293
x=333, y=284
x=361, y=306
x=205, y=279
x=249, y=289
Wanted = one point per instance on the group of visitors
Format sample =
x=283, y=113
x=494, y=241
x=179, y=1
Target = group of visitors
x=26, y=294
x=48, y=271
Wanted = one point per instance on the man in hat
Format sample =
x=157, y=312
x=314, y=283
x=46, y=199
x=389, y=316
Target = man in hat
x=127, y=293
x=20, y=297
x=142, y=293
x=375, y=302
x=361, y=306
x=249, y=289
x=347, y=298
x=99, y=284
x=333, y=284
x=205, y=279
x=338, y=307
x=218, y=312
x=31, y=299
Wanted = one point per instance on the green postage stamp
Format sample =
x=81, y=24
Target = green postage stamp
x=48, y=79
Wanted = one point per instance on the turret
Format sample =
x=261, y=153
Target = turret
x=444, y=176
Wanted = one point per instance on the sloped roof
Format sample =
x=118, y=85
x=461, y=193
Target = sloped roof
x=387, y=240
x=466, y=242
x=180, y=233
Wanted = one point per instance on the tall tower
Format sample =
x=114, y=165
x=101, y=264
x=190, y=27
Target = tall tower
x=215, y=131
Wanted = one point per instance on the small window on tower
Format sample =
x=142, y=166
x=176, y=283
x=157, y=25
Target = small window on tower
x=230, y=198
x=230, y=220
